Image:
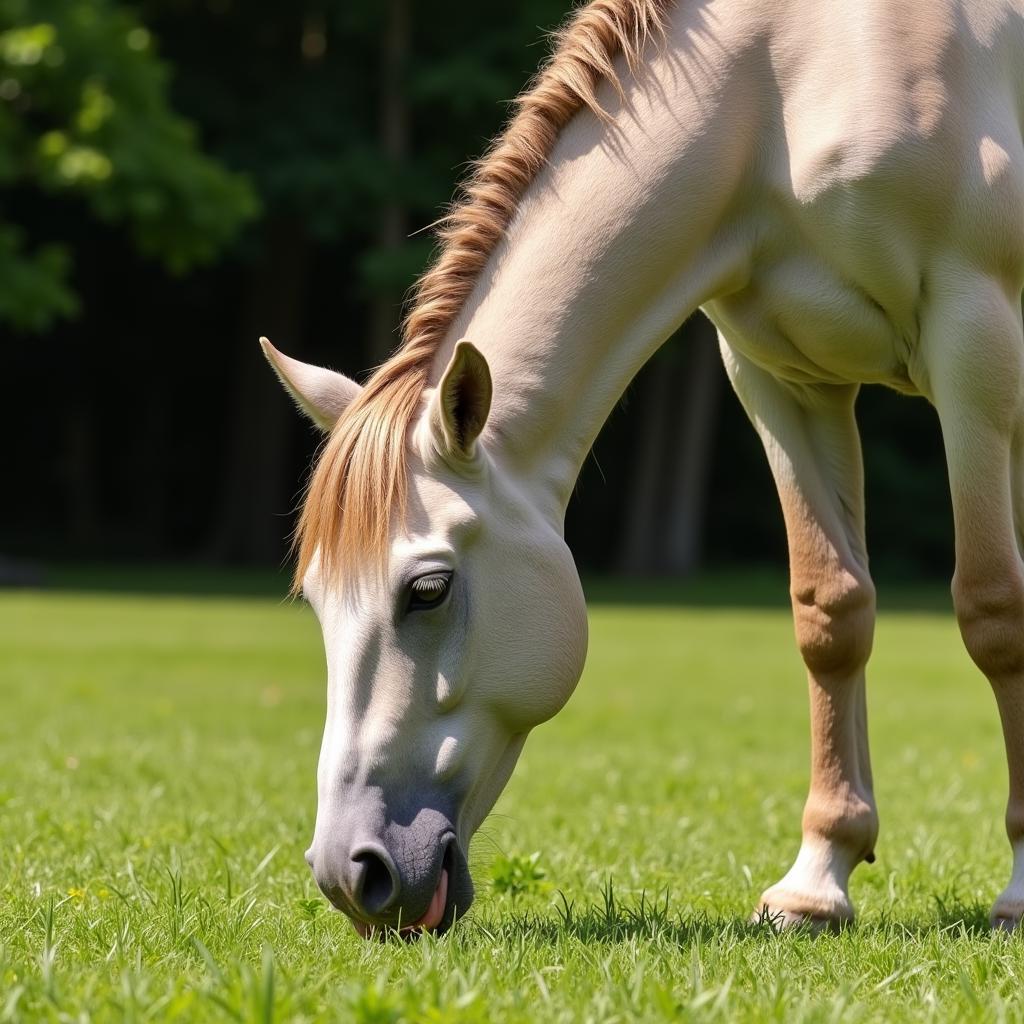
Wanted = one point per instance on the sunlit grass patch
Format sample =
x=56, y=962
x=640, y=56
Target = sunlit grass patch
x=155, y=804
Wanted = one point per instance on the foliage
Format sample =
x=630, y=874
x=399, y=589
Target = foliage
x=84, y=114
x=159, y=784
x=515, y=874
x=291, y=93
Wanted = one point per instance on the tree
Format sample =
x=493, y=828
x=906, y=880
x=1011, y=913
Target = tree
x=665, y=502
x=350, y=125
x=84, y=113
x=352, y=118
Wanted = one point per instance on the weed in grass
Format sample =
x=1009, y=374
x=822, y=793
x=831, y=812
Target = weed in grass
x=515, y=874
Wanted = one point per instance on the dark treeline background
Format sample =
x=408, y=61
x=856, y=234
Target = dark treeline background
x=178, y=177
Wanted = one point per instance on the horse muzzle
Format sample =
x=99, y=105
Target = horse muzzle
x=398, y=877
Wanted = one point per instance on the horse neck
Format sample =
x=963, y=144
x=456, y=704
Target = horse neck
x=614, y=244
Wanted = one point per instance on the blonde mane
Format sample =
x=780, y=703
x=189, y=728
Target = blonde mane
x=359, y=481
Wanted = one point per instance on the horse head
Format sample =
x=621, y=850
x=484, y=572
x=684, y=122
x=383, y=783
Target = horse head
x=444, y=649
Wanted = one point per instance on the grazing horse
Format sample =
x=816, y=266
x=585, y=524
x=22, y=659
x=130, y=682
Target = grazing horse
x=840, y=188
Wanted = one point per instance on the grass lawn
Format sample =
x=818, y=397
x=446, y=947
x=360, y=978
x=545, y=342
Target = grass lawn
x=157, y=793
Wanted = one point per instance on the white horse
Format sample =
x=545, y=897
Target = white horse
x=840, y=187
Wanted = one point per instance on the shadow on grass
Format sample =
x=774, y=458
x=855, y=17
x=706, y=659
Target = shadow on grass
x=753, y=588
x=953, y=914
x=612, y=922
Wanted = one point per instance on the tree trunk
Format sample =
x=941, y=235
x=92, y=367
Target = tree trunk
x=692, y=450
x=82, y=472
x=255, y=505
x=152, y=455
x=394, y=143
x=644, y=507
x=667, y=497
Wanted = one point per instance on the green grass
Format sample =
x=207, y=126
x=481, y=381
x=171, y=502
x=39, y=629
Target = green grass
x=157, y=792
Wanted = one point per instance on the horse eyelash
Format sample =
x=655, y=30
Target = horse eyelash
x=430, y=584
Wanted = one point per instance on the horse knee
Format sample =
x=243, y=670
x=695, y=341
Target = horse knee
x=990, y=612
x=846, y=819
x=834, y=619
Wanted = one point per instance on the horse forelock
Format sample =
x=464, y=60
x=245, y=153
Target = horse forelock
x=358, y=484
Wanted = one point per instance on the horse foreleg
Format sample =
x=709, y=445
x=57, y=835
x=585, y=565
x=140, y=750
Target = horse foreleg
x=975, y=365
x=811, y=439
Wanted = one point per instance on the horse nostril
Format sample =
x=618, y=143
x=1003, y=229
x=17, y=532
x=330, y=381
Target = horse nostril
x=377, y=880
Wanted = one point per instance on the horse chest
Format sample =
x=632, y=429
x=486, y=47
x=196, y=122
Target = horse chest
x=803, y=322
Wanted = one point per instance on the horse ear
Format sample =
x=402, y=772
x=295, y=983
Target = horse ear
x=321, y=394
x=459, y=406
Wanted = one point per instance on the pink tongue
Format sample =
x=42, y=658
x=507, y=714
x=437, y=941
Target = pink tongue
x=430, y=920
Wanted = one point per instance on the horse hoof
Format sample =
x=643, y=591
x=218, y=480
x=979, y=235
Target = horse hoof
x=786, y=910
x=788, y=921
x=1006, y=915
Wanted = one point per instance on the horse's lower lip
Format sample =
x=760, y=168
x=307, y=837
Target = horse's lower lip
x=428, y=922
x=435, y=912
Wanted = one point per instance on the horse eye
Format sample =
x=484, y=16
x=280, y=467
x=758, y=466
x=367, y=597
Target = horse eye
x=429, y=591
